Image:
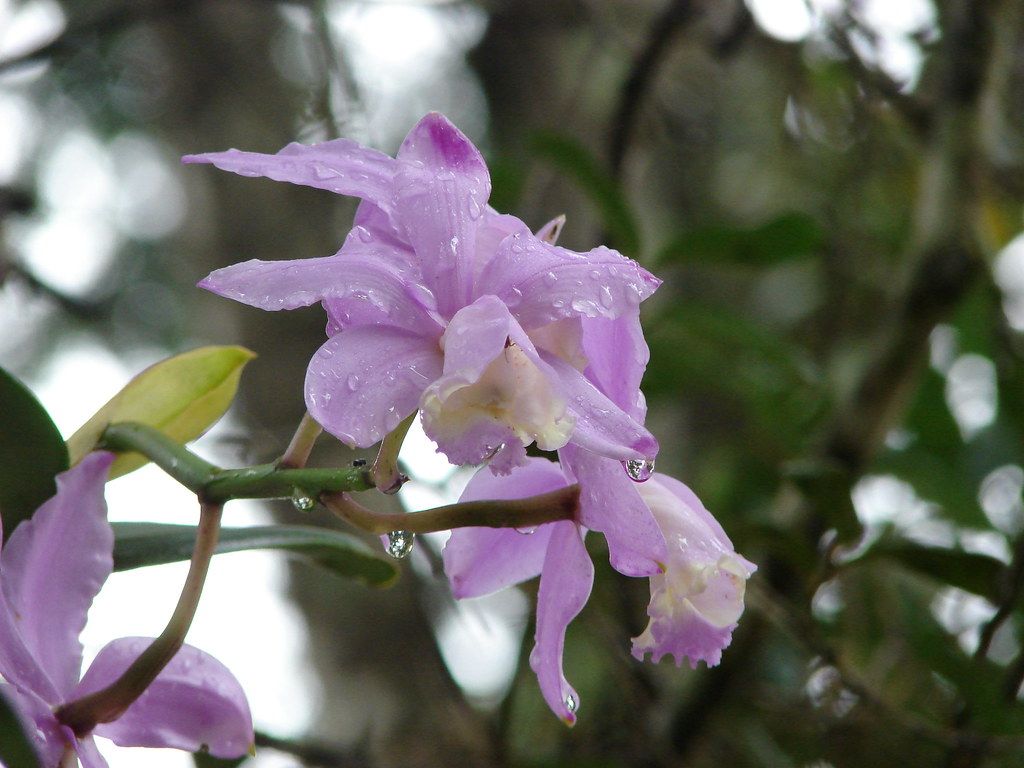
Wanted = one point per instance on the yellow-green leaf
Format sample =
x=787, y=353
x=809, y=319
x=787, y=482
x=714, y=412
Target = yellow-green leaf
x=182, y=396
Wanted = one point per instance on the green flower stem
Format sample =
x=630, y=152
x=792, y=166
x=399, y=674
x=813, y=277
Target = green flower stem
x=215, y=485
x=297, y=453
x=385, y=472
x=82, y=715
x=530, y=512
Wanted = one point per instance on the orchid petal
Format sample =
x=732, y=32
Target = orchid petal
x=17, y=664
x=496, y=394
x=38, y=723
x=542, y=283
x=195, y=703
x=55, y=563
x=479, y=561
x=565, y=584
x=601, y=426
x=441, y=191
x=362, y=382
x=611, y=504
x=617, y=356
x=696, y=603
x=89, y=754
x=342, y=165
x=358, y=282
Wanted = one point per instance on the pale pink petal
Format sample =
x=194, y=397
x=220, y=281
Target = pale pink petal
x=55, y=563
x=496, y=393
x=611, y=504
x=617, y=356
x=441, y=192
x=341, y=166
x=359, y=283
x=565, y=584
x=542, y=283
x=697, y=601
x=17, y=664
x=479, y=561
x=363, y=381
x=601, y=426
x=195, y=703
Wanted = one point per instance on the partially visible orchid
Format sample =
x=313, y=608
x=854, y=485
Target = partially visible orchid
x=437, y=302
x=52, y=567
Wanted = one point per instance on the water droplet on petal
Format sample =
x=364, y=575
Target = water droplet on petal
x=474, y=208
x=607, y=300
x=526, y=531
x=353, y=382
x=550, y=278
x=571, y=704
x=491, y=451
x=302, y=501
x=400, y=544
x=639, y=470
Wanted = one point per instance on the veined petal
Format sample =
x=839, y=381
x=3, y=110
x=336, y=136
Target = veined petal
x=617, y=356
x=496, y=394
x=542, y=283
x=40, y=726
x=55, y=563
x=697, y=601
x=479, y=561
x=611, y=504
x=362, y=382
x=342, y=165
x=358, y=282
x=441, y=191
x=565, y=584
x=194, y=703
x=601, y=426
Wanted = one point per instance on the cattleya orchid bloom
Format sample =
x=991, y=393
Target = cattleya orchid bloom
x=437, y=302
x=52, y=567
x=655, y=528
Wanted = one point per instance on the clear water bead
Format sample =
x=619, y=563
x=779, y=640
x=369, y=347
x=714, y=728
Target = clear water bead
x=400, y=544
x=570, y=703
x=526, y=531
x=639, y=470
x=302, y=501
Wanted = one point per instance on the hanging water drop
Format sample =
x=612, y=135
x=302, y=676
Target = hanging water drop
x=526, y=531
x=639, y=470
x=400, y=544
x=570, y=703
x=302, y=501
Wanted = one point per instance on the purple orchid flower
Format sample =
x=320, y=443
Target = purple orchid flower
x=52, y=567
x=439, y=303
x=656, y=529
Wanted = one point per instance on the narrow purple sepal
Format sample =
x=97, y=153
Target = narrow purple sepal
x=54, y=565
x=565, y=584
x=194, y=704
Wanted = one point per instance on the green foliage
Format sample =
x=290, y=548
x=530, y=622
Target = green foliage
x=182, y=396
x=785, y=237
x=141, y=544
x=15, y=749
x=969, y=571
x=577, y=162
x=203, y=760
x=31, y=452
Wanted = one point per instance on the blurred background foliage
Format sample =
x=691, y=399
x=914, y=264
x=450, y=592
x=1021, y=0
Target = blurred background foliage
x=832, y=193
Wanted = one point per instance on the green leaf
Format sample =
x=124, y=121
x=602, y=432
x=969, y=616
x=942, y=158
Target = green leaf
x=15, y=748
x=786, y=237
x=181, y=396
x=141, y=544
x=604, y=192
x=204, y=760
x=32, y=452
x=969, y=571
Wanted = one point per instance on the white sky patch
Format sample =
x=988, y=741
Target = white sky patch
x=150, y=201
x=971, y=393
x=1000, y=498
x=26, y=26
x=1009, y=274
x=19, y=130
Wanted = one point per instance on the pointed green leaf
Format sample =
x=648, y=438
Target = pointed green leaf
x=182, y=396
x=15, y=748
x=32, y=452
x=140, y=544
x=969, y=571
